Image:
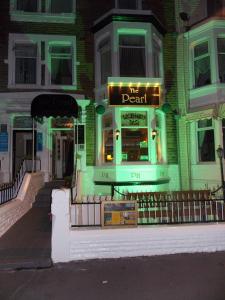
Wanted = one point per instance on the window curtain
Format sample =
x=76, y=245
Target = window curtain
x=61, y=6
x=132, y=56
x=202, y=71
x=206, y=146
x=61, y=71
x=27, y=5
x=25, y=63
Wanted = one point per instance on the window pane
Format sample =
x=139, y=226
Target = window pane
x=221, y=58
x=61, y=71
x=132, y=49
x=25, y=63
x=202, y=72
x=206, y=146
x=105, y=60
x=27, y=5
x=25, y=70
x=205, y=123
x=134, y=144
x=201, y=49
x=61, y=6
x=127, y=4
x=108, y=145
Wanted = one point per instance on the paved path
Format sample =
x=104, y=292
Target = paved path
x=28, y=243
x=171, y=277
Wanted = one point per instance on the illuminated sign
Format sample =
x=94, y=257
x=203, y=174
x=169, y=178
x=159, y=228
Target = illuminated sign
x=134, y=96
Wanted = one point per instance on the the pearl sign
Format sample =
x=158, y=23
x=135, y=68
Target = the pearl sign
x=134, y=96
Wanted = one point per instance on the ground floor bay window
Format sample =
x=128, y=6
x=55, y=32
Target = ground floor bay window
x=132, y=135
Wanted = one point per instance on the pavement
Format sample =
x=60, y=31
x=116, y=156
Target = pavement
x=171, y=277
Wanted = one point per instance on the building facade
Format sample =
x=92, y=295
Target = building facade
x=118, y=61
x=200, y=72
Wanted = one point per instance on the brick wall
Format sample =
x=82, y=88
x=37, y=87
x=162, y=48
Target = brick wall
x=12, y=211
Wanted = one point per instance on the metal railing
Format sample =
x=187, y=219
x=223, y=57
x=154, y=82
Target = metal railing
x=10, y=190
x=150, y=212
x=180, y=212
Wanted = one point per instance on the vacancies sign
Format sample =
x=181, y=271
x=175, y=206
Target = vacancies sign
x=134, y=96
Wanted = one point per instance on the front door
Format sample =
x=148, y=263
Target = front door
x=22, y=147
x=62, y=154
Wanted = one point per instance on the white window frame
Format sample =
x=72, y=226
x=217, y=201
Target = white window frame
x=40, y=16
x=15, y=38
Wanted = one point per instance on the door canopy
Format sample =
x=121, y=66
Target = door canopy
x=54, y=105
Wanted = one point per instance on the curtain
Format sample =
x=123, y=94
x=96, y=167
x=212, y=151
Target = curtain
x=202, y=71
x=61, y=71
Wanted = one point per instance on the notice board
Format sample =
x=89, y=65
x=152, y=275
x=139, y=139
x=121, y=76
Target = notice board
x=119, y=213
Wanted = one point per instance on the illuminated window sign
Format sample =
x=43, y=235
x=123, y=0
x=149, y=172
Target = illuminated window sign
x=134, y=96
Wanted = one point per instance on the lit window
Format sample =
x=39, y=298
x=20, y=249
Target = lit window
x=206, y=144
x=25, y=63
x=27, y=5
x=61, y=65
x=105, y=60
x=221, y=58
x=107, y=138
x=132, y=55
x=134, y=136
x=202, y=65
x=158, y=139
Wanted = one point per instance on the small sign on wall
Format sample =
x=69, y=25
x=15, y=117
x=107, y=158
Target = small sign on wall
x=3, y=142
x=119, y=214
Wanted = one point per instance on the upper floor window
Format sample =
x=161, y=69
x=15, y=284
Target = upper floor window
x=128, y=4
x=202, y=65
x=60, y=6
x=61, y=64
x=43, y=11
x=105, y=59
x=156, y=59
x=132, y=55
x=215, y=7
x=27, y=5
x=206, y=144
x=221, y=58
x=25, y=63
x=45, y=62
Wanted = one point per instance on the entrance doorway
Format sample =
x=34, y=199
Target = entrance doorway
x=22, y=147
x=62, y=154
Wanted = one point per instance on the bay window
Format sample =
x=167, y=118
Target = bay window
x=61, y=64
x=202, y=72
x=25, y=63
x=132, y=55
x=206, y=144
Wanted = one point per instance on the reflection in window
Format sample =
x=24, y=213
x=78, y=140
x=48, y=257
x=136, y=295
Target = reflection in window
x=107, y=138
x=25, y=63
x=221, y=58
x=202, y=65
x=132, y=55
x=61, y=64
x=206, y=145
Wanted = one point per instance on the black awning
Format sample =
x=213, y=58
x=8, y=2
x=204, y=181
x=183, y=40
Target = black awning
x=54, y=105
